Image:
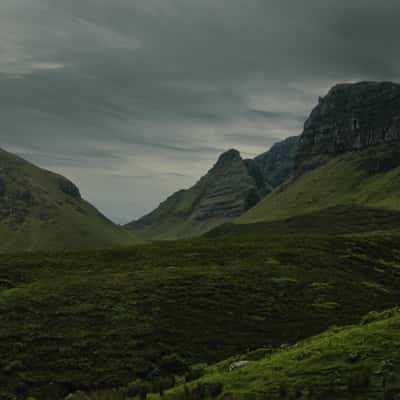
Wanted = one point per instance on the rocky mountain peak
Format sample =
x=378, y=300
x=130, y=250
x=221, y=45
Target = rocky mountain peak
x=228, y=157
x=351, y=117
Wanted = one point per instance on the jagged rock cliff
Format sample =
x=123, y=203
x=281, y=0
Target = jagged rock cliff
x=230, y=187
x=278, y=163
x=351, y=117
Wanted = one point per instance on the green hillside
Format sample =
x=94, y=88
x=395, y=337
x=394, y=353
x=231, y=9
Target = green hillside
x=355, y=362
x=366, y=178
x=330, y=221
x=40, y=210
x=229, y=188
x=98, y=320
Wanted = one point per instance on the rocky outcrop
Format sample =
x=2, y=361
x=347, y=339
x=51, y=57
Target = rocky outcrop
x=351, y=117
x=230, y=187
x=278, y=163
x=67, y=187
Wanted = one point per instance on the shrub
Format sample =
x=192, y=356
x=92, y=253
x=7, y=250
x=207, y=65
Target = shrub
x=77, y=396
x=205, y=390
x=259, y=354
x=163, y=383
x=7, y=396
x=214, y=389
x=133, y=388
x=360, y=380
x=194, y=373
x=173, y=364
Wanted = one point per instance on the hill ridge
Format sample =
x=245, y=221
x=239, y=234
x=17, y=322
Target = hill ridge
x=42, y=210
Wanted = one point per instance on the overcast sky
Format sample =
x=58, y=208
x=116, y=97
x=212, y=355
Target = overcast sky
x=134, y=99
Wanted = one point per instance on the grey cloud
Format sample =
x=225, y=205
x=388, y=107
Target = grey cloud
x=143, y=87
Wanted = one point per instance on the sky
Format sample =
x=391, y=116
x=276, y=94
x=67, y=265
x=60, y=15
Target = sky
x=135, y=99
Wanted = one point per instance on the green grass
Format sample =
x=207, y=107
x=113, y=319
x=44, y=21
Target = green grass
x=50, y=219
x=354, y=362
x=98, y=320
x=350, y=180
x=344, y=220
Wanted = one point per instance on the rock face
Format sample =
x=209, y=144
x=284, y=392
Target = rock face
x=40, y=210
x=278, y=163
x=230, y=187
x=351, y=117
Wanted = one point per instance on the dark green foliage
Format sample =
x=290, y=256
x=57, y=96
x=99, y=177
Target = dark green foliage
x=173, y=364
x=77, y=396
x=360, y=380
x=202, y=391
x=103, y=319
x=194, y=373
x=325, y=374
x=133, y=388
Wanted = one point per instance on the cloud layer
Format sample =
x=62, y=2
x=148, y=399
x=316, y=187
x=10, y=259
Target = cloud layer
x=134, y=99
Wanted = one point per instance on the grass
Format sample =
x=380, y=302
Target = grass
x=363, y=179
x=48, y=218
x=343, y=220
x=98, y=320
x=354, y=362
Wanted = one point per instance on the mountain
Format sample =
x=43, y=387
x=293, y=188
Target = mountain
x=40, y=210
x=348, y=156
x=351, y=117
x=230, y=187
x=278, y=163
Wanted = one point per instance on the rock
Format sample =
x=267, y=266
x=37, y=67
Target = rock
x=230, y=187
x=350, y=117
x=278, y=163
x=238, y=364
x=69, y=188
x=2, y=188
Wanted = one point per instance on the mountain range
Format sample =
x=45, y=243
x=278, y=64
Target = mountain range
x=347, y=154
x=230, y=188
x=290, y=292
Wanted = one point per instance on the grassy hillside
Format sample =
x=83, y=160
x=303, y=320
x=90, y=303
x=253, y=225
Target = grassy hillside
x=102, y=319
x=228, y=189
x=355, y=362
x=40, y=210
x=171, y=220
x=367, y=178
x=343, y=220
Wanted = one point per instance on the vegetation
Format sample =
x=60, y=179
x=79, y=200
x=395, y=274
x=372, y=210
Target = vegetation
x=99, y=320
x=40, y=210
x=369, y=178
x=355, y=362
x=338, y=220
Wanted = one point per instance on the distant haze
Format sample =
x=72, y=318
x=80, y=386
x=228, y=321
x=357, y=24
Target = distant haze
x=134, y=99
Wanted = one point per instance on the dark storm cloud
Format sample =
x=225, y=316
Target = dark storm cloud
x=139, y=88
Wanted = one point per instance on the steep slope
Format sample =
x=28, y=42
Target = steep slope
x=348, y=154
x=365, y=178
x=231, y=187
x=355, y=362
x=40, y=210
x=351, y=117
x=278, y=163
